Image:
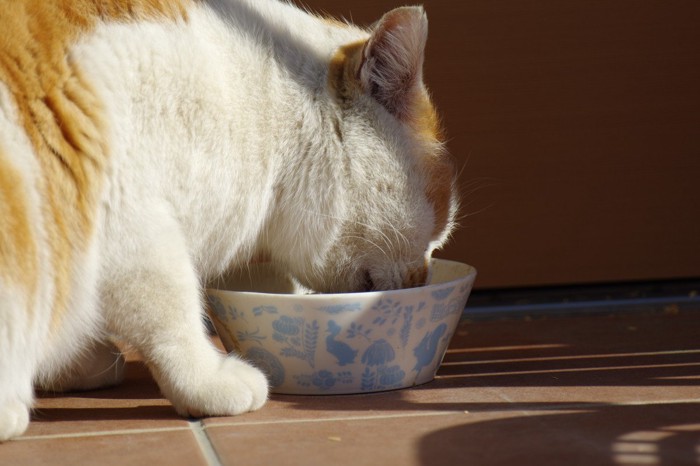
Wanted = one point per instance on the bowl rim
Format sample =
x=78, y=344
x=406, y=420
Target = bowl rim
x=470, y=276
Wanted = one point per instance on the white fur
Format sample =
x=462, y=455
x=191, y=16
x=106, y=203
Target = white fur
x=223, y=146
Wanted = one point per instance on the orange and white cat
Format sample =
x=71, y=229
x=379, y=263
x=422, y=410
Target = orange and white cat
x=148, y=145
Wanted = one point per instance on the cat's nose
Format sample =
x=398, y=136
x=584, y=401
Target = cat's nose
x=367, y=282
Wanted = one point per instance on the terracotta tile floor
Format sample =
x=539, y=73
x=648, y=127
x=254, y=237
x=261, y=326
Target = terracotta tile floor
x=590, y=390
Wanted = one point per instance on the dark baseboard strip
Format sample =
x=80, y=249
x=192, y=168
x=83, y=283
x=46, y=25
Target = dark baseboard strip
x=601, y=299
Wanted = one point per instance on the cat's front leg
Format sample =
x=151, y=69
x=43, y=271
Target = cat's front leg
x=152, y=299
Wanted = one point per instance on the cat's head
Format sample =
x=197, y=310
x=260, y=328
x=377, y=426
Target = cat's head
x=399, y=183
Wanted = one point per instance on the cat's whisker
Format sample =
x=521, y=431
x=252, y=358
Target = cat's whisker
x=398, y=248
x=378, y=247
x=401, y=239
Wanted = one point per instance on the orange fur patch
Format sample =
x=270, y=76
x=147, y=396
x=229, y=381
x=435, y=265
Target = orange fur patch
x=441, y=175
x=416, y=277
x=18, y=253
x=343, y=70
x=424, y=120
x=62, y=117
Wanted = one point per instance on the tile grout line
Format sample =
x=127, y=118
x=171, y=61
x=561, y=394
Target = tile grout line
x=205, y=446
x=100, y=433
x=332, y=419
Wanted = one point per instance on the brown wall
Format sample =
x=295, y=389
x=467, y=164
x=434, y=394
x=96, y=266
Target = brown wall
x=577, y=125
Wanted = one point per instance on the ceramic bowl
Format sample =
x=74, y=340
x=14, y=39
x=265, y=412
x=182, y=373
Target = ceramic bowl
x=316, y=344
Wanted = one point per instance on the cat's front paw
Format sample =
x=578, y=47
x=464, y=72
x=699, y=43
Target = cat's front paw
x=236, y=388
x=14, y=419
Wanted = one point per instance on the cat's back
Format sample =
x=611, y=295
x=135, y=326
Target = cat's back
x=54, y=145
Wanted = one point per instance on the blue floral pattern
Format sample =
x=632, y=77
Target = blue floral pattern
x=254, y=336
x=299, y=337
x=358, y=330
x=264, y=309
x=442, y=294
x=324, y=380
x=338, y=308
x=391, y=376
x=268, y=363
x=443, y=310
x=378, y=373
x=388, y=310
x=223, y=312
x=287, y=326
x=378, y=354
x=398, y=344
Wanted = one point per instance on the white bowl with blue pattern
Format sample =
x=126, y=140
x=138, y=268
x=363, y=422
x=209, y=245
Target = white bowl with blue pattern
x=314, y=344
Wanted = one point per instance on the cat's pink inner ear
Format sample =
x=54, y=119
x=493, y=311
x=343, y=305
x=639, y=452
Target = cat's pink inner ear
x=392, y=68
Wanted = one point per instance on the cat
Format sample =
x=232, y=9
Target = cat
x=146, y=146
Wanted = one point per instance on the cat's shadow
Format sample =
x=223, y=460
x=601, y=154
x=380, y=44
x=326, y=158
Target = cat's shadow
x=138, y=384
x=136, y=398
x=117, y=413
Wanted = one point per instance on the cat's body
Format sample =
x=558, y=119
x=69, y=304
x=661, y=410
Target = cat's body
x=146, y=146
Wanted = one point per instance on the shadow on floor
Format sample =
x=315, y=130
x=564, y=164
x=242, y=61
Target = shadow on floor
x=664, y=434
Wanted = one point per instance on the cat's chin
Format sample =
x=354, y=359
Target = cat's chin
x=362, y=283
x=340, y=284
x=335, y=288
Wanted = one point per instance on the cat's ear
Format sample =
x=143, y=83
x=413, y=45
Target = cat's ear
x=392, y=59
